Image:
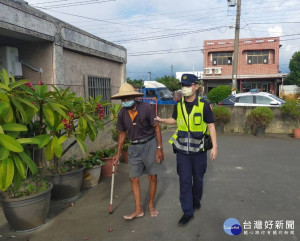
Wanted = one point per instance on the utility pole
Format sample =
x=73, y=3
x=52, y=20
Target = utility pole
x=236, y=46
x=149, y=75
x=172, y=70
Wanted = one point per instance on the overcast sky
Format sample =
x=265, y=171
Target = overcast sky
x=159, y=34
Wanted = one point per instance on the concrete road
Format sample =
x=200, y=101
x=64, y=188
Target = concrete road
x=253, y=180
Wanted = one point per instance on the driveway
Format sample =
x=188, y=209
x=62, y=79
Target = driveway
x=254, y=180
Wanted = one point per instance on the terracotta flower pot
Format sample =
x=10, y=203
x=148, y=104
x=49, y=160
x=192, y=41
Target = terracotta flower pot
x=106, y=170
x=296, y=133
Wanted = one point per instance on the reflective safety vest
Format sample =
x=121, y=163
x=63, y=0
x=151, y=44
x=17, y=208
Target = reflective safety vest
x=189, y=136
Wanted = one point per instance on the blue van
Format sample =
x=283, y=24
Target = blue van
x=154, y=89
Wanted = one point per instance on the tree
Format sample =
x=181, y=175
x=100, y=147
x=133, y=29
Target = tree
x=219, y=93
x=171, y=83
x=294, y=77
x=136, y=83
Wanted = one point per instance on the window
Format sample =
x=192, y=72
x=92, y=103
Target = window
x=222, y=58
x=258, y=57
x=263, y=100
x=245, y=99
x=99, y=86
x=150, y=94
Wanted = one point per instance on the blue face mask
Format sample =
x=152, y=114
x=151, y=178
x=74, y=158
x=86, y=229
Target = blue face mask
x=127, y=104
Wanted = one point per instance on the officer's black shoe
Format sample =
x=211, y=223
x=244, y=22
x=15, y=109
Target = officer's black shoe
x=184, y=220
x=196, y=205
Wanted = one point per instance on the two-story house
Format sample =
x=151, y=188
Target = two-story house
x=258, y=64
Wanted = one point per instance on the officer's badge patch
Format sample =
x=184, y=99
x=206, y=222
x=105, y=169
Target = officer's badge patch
x=184, y=77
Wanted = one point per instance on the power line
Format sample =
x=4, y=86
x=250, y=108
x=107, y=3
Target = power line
x=75, y=4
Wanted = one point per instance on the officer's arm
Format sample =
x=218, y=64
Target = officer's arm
x=213, y=135
x=169, y=121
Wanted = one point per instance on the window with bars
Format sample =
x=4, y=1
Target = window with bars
x=222, y=58
x=95, y=86
x=258, y=57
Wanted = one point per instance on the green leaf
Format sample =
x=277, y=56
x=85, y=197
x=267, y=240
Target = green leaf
x=4, y=97
x=92, y=131
x=4, y=77
x=81, y=144
x=30, y=163
x=89, y=118
x=10, y=143
x=40, y=90
x=6, y=173
x=44, y=140
x=4, y=153
x=20, y=108
x=48, y=114
x=18, y=83
x=58, y=108
x=1, y=130
x=28, y=103
x=9, y=116
x=3, y=86
x=57, y=147
x=49, y=152
x=19, y=165
x=14, y=127
x=60, y=127
x=29, y=141
x=62, y=139
x=17, y=182
x=82, y=124
x=4, y=107
x=13, y=134
x=12, y=78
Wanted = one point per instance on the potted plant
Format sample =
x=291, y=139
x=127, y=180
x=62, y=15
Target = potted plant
x=92, y=171
x=64, y=121
x=259, y=118
x=106, y=156
x=19, y=194
x=292, y=109
x=222, y=117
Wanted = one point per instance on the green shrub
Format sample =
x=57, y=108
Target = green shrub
x=222, y=115
x=260, y=117
x=292, y=109
x=219, y=93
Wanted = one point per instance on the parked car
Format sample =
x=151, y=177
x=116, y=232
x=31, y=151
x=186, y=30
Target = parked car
x=253, y=99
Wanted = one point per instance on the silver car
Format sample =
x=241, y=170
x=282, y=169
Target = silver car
x=253, y=99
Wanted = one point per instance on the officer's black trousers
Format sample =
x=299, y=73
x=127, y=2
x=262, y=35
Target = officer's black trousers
x=191, y=169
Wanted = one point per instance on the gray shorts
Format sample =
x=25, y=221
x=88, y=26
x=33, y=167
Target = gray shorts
x=142, y=159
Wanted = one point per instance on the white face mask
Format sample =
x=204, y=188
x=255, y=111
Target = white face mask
x=187, y=91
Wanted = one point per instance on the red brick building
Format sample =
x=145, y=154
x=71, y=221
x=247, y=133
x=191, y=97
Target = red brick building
x=258, y=64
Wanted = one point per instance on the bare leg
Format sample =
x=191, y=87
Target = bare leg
x=153, y=184
x=138, y=212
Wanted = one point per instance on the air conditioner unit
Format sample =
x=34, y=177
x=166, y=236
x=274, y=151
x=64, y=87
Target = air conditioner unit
x=218, y=71
x=208, y=71
x=9, y=60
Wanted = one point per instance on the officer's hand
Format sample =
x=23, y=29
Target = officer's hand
x=213, y=153
x=159, y=155
x=157, y=118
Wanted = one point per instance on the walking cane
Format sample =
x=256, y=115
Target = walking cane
x=112, y=189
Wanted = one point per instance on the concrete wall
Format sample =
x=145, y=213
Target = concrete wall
x=38, y=55
x=237, y=124
x=77, y=66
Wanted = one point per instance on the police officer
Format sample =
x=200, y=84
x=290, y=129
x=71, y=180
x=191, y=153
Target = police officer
x=194, y=117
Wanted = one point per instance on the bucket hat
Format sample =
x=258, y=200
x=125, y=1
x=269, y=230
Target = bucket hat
x=126, y=90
